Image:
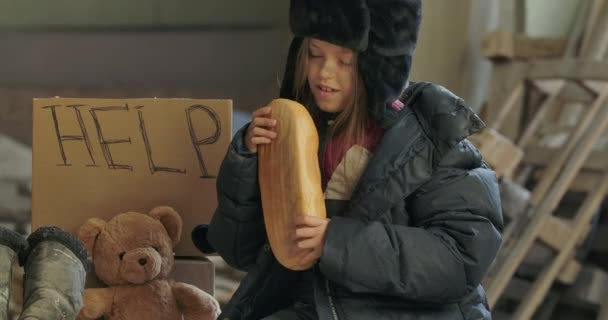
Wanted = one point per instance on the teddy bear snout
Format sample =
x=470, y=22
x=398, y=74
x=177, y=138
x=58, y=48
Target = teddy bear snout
x=141, y=265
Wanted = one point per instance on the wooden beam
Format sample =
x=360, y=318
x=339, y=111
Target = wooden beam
x=507, y=263
x=578, y=29
x=585, y=181
x=597, y=44
x=504, y=107
x=580, y=223
x=569, y=272
x=594, y=11
x=592, y=123
x=498, y=151
x=553, y=88
x=543, y=156
x=509, y=45
x=556, y=232
x=573, y=69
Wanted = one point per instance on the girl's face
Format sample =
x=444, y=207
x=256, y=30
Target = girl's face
x=331, y=75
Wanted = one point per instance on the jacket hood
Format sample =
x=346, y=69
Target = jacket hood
x=383, y=33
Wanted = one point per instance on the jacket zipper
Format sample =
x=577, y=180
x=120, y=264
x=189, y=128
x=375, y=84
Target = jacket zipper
x=331, y=301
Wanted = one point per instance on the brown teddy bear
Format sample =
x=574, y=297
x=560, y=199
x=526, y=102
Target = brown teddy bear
x=133, y=255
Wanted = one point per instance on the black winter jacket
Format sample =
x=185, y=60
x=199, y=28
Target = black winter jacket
x=416, y=239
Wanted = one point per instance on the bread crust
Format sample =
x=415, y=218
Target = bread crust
x=290, y=178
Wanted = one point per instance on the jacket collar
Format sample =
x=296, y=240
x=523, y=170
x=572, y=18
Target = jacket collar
x=432, y=122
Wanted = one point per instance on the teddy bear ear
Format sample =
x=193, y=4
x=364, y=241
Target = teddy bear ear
x=88, y=232
x=171, y=220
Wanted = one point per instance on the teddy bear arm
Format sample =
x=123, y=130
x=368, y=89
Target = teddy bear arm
x=195, y=303
x=97, y=302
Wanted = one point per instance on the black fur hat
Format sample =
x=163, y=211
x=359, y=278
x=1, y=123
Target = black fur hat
x=383, y=32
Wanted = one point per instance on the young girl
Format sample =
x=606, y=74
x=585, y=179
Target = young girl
x=414, y=216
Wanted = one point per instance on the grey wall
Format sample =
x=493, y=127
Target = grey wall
x=189, y=48
x=212, y=59
x=242, y=65
x=112, y=14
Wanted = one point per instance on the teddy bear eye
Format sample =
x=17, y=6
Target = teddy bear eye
x=121, y=255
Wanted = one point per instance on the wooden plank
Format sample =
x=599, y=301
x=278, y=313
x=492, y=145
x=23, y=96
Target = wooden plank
x=498, y=151
x=504, y=107
x=555, y=167
x=543, y=156
x=512, y=258
x=509, y=45
x=553, y=88
x=591, y=21
x=556, y=232
x=576, y=32
x=585, y=180
x=597, y=45
x=573, y=69
x=569, y=272
x=582, y=220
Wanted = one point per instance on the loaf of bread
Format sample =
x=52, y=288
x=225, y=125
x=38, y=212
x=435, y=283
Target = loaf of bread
x=290, y=178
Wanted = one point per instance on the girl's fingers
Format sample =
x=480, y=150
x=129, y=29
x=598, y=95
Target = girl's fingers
x=261, y=132
x=310, y=243
x=260, y=140
x=294, y=251
x=310, y=257
x=263, y=122
x=308, y=221
x=306, y=233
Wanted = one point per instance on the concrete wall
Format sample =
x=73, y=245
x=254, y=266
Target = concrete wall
x=550, y=18
x=242, y=65
x=448, y=48
x=113, y=14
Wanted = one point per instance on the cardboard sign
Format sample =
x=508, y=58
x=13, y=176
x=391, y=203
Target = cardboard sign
x=101, y=157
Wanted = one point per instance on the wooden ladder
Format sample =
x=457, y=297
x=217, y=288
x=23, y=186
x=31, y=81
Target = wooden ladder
x=552, y=78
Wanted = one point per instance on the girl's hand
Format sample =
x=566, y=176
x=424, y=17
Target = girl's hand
x=310, y=236
x=260, y=129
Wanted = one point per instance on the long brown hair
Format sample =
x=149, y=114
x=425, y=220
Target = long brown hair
x=352, y=123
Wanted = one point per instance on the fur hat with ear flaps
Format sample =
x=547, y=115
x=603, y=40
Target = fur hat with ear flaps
x=382, y=32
